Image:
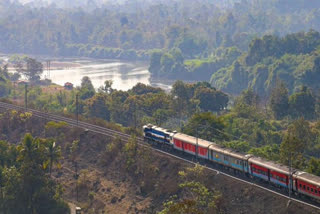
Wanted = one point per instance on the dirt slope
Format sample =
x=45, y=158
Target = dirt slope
x=107, y=184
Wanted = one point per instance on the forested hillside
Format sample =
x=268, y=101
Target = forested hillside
x=197, y=28
x=293, y=59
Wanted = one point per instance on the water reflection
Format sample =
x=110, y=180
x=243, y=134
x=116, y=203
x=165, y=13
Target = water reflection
x=124, y=74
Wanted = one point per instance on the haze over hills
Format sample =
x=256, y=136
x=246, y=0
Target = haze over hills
x=101, y=3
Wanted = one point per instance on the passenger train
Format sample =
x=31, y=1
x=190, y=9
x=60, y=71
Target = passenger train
x=302, y=183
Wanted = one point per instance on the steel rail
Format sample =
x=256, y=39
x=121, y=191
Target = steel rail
x=112, y=133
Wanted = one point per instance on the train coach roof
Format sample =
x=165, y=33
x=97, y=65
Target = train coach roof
x=270, y=165
x=217, y=148
x=307, y=177
x=192, y=140
x=235, y=154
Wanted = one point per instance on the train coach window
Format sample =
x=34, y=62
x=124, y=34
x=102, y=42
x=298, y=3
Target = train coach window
x=300, y=185
x=316, y=191
x=308, y=188
x=304, y=186
x=311, y=189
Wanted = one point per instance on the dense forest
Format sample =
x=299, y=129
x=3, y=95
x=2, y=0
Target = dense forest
x=26, y=185
x=197, y=28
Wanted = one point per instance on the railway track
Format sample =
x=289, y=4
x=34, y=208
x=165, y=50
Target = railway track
x=141, y=142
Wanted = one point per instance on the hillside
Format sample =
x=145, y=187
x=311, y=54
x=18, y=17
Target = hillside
x=293, y=59
x=107, y=182
x=133, y=30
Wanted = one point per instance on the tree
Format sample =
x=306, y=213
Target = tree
x=160, y=116
x=195, y=196
x=248, y=97
x=181, y=90
x=314, y=166
x=155, y=62
x=279, y=101
x=296, y=141
x=140, y=89
x=108, y=86
x=130, y=150
x=166, y=61
x=206, y=125
x=211, y=99
x=33, y=69
x=53, y=154
x=4, y=147
x=31, y=191
x=246, y=105
x=86, y=89
x=97, y=107
x=302, y=103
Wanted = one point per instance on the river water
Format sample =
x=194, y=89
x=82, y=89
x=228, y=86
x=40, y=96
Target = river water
x=124, y=74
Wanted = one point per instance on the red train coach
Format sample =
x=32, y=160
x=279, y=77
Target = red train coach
x=188, y=144
x=307, y=184
x=269, y=171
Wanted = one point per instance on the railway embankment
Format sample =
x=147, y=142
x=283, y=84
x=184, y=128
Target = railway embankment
x=102, y=173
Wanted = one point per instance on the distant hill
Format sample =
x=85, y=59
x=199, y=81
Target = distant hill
x=293, y=59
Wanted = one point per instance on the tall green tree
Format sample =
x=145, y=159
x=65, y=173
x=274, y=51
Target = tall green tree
x=211, y=99
x=314, y=166
x=279, y=101
x=303, y=103
x=53, y=154
x=296, y=141
x=97, y=107
x=32, y=69
x=86, y=90
x=205, y=125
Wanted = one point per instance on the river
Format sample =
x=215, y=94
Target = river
x=124, y=74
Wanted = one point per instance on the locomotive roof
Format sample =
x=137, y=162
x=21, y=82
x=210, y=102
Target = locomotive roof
x=270, y=165
x=192, y=140
x=160, y=129
x=307, y=177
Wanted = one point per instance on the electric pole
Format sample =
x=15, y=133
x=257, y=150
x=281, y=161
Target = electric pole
x=135, y=116
x=77, y=108
x=290, y=177
x=48, y=68
x=26, y=96
x=197, y=143
x=14, y=90
x=77, y=190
